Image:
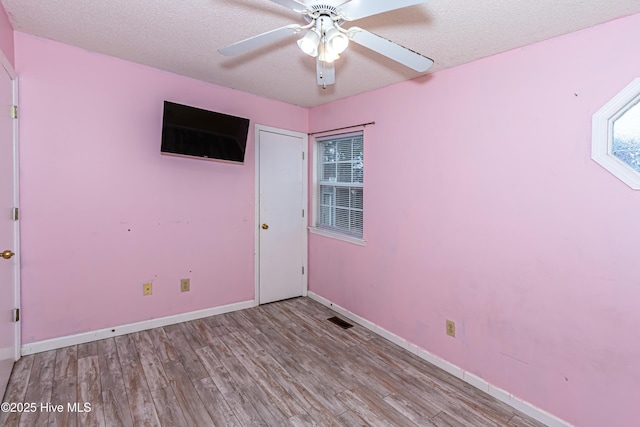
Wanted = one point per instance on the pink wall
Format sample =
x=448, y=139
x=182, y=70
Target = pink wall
x=6, y=36
x=103, y=211
x=483, y=206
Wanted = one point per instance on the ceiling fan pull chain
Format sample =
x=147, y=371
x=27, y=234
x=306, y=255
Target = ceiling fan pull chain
x=324, y=50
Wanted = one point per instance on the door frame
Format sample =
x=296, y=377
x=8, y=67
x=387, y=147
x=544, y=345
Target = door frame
x=4, y=63
x=305, y=203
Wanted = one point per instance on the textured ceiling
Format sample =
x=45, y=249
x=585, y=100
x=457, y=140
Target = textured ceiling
x=183, y=37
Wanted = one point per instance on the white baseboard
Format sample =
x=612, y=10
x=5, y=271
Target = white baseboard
x=56, y=343
x=500, y=394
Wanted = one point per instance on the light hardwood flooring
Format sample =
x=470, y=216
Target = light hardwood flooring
x=280, y=364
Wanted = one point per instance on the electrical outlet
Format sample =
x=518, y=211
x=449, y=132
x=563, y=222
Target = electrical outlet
x=451, y=328
x=185, y=285
x=146, y=289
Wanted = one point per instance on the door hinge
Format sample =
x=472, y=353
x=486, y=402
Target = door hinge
x=302, y=213
x=16, y=214
x=303, y=269
x=303, y=155
x=14, y=111
x=16, y=314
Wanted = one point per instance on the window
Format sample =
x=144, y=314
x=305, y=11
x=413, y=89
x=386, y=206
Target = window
x=616, y=135
x=340, y=170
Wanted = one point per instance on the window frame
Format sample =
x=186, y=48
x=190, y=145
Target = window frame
x=315, y=208
x=602, y=135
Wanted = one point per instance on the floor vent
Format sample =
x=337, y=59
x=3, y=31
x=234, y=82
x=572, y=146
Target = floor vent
x=340, y=322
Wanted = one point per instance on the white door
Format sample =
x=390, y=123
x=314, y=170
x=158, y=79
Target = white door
x=8, y=234
x=281, y=197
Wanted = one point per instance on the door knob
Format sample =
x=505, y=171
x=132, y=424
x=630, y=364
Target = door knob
x=6, y=254
x=265, y=227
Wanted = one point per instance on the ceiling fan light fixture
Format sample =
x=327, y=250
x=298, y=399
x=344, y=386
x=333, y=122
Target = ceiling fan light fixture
x=325, y=39
x=337, y=40
x=327, y=54
x=309, y=43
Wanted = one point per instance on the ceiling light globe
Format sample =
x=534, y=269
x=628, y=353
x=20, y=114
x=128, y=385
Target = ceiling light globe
x=306, y=46
x=330, y=58
x=339, y=43
x=328, y=55
x=309, y=43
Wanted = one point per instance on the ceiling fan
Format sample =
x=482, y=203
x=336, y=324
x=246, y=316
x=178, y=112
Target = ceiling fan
x=325, y=39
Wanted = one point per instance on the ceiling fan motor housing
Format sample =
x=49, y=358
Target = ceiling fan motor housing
x=317, y=10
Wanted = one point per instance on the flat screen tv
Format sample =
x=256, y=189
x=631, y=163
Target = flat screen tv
x=193, y=132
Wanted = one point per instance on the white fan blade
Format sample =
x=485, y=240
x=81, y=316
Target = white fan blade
x=390, y=49
x=291, y=4
x=326, y=72
x=260, y=40
x=357, y=9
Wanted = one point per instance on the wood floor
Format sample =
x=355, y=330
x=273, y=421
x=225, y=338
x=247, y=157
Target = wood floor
x=277, y=364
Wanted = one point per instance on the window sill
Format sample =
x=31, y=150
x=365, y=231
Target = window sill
x=338, y=236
